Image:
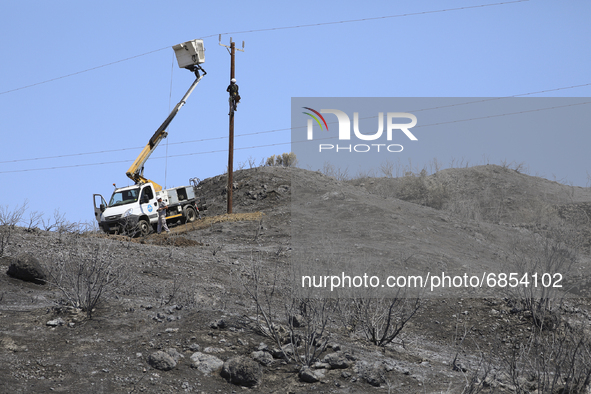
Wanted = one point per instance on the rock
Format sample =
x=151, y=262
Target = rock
x=56, y=322
x=218, y=324
x=309, y=375
x=261, y=357
x=194, y=347
x=212, y=349
x=336, y=361
x=162, y=361
x=205, y=363
x=242, y=371
x=372, y=373
x=172, y=352
x=287, y=351
x=9, y=344
x=26, y=267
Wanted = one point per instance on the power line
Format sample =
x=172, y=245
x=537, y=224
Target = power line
x=289, y=128
x=83, y=71
x=128, y=161
x=273, y=29
x=292, y=142
x=370, y=19
x=138, y=147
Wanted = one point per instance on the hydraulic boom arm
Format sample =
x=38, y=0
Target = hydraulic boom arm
x=136, y=171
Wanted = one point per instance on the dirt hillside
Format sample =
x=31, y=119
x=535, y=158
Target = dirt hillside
x=178, y=314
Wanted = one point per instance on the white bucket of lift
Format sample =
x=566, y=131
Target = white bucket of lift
x=190, y=53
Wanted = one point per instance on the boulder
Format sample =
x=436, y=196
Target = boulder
x=310, y=375
x=26, y=267
x=336, y=361
x=172, y=352
x=162, y=361
x=372, y=373
x=242, y=371
x=205, y=363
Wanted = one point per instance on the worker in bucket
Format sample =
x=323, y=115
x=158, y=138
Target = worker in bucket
x=162, y=216
x=234, y=96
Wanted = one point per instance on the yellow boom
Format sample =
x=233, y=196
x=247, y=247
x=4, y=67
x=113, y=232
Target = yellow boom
x=136, y=171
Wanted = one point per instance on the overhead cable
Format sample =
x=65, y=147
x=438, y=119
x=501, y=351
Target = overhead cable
x=289, y=128
x=292, y=142
x=272, y=29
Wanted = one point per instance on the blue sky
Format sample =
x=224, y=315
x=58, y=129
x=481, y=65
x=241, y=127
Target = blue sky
x=421, y=51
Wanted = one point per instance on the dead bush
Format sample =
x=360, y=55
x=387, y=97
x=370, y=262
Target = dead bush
x=270, y=160
x=335, y=172
x=543, y=264
x=282, y=160
x=551, y=362
x=383, y=319
x=86, y=274
x=266, y=299
x=298, y=326
x=289, y=159
x=379, y=319
x=9, y=219
x=422, y=189
x=12, y=217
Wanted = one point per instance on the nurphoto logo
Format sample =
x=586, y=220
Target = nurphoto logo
x=345, y=130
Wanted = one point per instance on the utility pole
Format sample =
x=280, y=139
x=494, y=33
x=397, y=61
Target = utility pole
x=232, y=51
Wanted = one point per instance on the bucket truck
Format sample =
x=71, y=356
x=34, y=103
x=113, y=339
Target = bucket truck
x=132, y=209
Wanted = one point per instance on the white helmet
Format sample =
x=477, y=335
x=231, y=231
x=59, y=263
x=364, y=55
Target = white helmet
x=233, y=80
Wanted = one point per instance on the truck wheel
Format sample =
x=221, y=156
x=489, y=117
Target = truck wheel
x=190, y=215
x=143, y=228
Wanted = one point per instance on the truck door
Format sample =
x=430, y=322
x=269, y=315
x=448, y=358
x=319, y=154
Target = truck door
x=148, y=202
x=99, y=206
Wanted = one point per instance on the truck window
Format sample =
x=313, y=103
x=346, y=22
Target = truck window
x=124, y=197
x=181, y=193
x=147, y=194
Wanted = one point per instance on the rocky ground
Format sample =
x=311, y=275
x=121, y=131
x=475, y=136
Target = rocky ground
x=179, y=315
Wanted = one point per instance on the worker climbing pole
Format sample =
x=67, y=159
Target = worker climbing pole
x=233, y=100
x=234, y=96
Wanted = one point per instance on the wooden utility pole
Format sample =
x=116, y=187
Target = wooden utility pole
x=232, y=51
